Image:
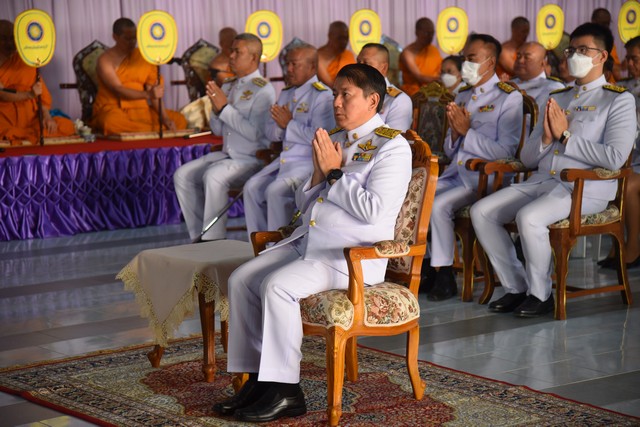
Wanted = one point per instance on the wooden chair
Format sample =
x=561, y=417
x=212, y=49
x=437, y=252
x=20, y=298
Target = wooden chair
x=357, y=316
x=463, y=228
x=563, y=234
x=393, y=74
x=84, y=65
x=195, y=63
x=430, y=118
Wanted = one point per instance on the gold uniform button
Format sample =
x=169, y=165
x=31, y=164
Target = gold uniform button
x=552, y=172
x=286, y=148
x=460, y=162
x=320, y=200
x=556, y=152
x=282, y=160
x=312, y=223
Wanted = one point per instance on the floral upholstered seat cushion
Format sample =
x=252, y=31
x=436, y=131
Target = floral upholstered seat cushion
x=386, y=304
x=609, y=215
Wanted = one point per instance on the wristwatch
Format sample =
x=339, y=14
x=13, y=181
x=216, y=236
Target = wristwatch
x=334, y=175
x=565, y=135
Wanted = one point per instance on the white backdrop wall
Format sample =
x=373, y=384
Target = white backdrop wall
x=78, y=22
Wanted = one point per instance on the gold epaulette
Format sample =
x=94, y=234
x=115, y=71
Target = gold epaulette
x=259, y=81
x=393, y=91
x=387, y=132
x=564, y=89
x=463, y=88
x=506, y=87
x=614, y=88
x=555, y=79
x=229, y=79
x=335, y=130
x=319, y=86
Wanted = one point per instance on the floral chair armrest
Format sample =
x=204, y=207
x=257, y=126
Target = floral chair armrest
x=596, y=174
x=391, y=248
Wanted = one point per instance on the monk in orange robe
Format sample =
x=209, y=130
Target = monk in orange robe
x=18, y=97
x=128, y=93
x=520, y=28
x=334, y=55
x=420, y=61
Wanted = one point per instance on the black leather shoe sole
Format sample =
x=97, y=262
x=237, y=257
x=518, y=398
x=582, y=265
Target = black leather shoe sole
x=271, y=407
x=533, y=307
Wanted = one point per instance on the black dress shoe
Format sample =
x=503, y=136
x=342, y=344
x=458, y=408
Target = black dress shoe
x=533, y=307
x=634, y=264
x=507, y=303
x=427, y=277
x=250, y=393
x=273, y=405
x=445, y=286
x=607, y=262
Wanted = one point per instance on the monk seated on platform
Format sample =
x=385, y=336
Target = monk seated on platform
x=18, y=97
x=128, y=90
x=420, y=61
x=334, y=55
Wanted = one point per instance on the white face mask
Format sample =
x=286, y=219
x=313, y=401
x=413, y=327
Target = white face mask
x=579, y=65
x=448, y=79
x=470, y=72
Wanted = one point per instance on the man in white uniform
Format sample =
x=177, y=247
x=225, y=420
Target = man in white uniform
x=591, y=124
x=241, y=108
x=359, y=181
x=303, y=106
x=485, y=121
x=530, y=75
x=397, y=109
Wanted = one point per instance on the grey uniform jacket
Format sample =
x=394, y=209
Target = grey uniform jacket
x=539, y=88
x=361, y=207
x=397, y=109
x=241, y=123
x=602, y=122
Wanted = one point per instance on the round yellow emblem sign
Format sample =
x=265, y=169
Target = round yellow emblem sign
x=267, y=26
x=35, y=37
x=629, y=20
x=157, y=37
x=550, y=26
x=364, y=27
x=452, y=29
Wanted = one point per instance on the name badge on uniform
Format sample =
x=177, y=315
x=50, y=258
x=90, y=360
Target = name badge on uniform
x=361, y=157
x=367, y=146
x=302, y=108
x=486, y=108
x=586, y=108
x=246, y=95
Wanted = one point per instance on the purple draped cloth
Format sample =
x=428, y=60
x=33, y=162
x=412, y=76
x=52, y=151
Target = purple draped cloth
x=62, y=195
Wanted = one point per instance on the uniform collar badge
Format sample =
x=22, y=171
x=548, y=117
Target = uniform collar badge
x=367, y=146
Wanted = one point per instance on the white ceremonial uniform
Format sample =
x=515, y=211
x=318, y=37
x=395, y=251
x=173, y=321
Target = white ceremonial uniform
x=602, y=122
x=633, y=86
x=358, y=209
x=202, y=184
x=539, y=88
x=269, y=195
x=496, y=124
x=397, y=109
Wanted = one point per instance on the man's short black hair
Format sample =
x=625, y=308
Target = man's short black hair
x=634, y=42
x=366, y=78
x=379, y=47
x=122, y=24
x=494, y=45
x=456, y=59
x=519, y=21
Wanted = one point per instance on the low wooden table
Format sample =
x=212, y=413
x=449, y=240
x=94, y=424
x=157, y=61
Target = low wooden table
x=166, y=282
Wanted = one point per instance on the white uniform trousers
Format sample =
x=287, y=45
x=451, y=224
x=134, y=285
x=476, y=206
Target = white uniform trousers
x=451, y=195
x=534, y=208
x=269, y=201
x=265, y=325
x=202, y=187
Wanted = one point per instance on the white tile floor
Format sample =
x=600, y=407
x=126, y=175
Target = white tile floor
x=58, y=298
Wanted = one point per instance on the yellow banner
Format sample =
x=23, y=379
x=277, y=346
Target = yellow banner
x=550, y=26
x=364, y=27
x=35, y=37
x=267, y=26
x=452, y=29
x=629, y=20
x=157, y=37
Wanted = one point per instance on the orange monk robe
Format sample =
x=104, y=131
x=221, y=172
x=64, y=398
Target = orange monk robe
x=428, y=61
x=19, y=120
x=500, y=71
x=345, y=58
x=114, y=115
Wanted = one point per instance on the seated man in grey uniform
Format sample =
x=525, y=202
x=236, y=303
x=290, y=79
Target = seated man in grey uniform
x=303, y=106
x=485, y=121
x=361, y=172
x=530, y=75
x=397, y=109
x=240, y=107
x=591, y=124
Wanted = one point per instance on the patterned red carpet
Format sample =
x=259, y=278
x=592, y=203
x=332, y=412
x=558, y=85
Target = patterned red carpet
x=119, y=388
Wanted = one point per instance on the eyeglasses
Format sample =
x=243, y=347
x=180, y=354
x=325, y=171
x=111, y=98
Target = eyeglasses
x=582, y=50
